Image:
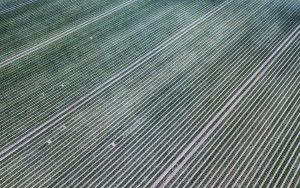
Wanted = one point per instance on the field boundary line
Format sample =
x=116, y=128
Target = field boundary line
x=65, y=33
x=199, y=140
x=9, y=150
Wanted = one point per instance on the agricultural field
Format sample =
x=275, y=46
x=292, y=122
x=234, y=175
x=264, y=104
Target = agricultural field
x=149, y=93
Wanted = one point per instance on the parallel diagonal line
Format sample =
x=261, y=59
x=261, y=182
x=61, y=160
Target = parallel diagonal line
x=125, y=72
x=64, y=34
x=286, y=179
x=230, y=131
x=17, y=6
x=192, y=148
x=234, y=147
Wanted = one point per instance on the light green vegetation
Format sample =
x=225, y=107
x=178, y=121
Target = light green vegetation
x=40, y=20
x=260, y=134
x=129, y=133
x=81, y=63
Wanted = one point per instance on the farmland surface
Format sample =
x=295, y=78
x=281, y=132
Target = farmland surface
x=149, y=93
